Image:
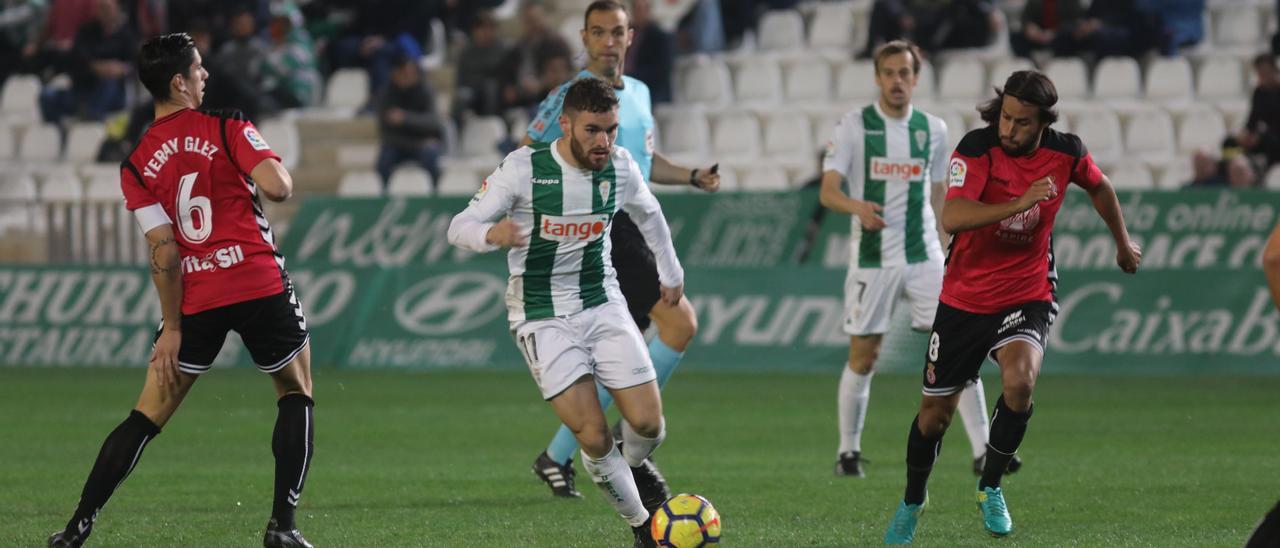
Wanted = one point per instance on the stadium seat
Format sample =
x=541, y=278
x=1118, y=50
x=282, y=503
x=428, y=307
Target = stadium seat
x=1070, y=76
x=83, y=142
x=103, y=188
x=956, y=127
x=6, y=143
x=1220, y=77
x=736, y=136
x=1100, y=131
x=17, y=196
x=458, y=182
x=1169, y=80
x=58, y=188
x=1236, y=24
x=728, y=179
x=683, y=131
x=1272, y=179
x=706, y=81
x=781, y=30
x=571, y=30
x=282, y=136
x=409, y=180
x=357, y=156
x=348, y=89
x=1117, y=78
x=787, y=139
x=360, y=184
x=1001, y=69
x=832, y=26
x=808, y=81
x=19, y=99
x=1175, y=175
x=757, y=80
x=40, y=143
x=1200, y=128
x=481, y=135
x=1131, y=176
x=1149, y=136
x=100, y=169
x=823, y=123
x=926, y=84
x=763, y=178
x=962, y=81
x=856, y=82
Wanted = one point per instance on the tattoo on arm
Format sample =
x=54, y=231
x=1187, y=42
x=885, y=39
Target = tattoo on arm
x=156, y=267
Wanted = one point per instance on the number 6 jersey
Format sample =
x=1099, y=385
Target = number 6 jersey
x=195, y=166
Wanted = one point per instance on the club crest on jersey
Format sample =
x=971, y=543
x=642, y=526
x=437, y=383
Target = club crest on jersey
x=255, y=140
x=574, y=228
x=958, y=170
x=604, y=192
x=1020, y=228
x=921, y=137
x=905, y=170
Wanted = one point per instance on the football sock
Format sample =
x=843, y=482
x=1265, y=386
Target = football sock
x=292, y=446
x=851, y=404
x=973, y=411
x=665, y=359
x=921, y=452
x=119, y=454
x=1007, y=429
x=612, y=475
x=563, y=444
x=636, y=448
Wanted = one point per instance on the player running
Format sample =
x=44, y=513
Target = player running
x=891, y=154
x=217, y=270
x=606, y=34
x=567, y=314
x=998, y=296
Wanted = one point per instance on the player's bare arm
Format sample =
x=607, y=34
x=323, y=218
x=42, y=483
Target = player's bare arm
x=505, y=233
x=666, y=172
x=832, y=197
x=1271, y=264
x=166, y=273
x=1128, y=253
x=273, y=180
x=961, y=214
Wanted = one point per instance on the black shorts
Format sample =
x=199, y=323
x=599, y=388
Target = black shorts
x=273, y=330
x=637, y=271
x=961, y=341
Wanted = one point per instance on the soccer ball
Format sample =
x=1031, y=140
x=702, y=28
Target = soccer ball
x=686, y=521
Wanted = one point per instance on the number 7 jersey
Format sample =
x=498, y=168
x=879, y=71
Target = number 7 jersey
x=195, y=165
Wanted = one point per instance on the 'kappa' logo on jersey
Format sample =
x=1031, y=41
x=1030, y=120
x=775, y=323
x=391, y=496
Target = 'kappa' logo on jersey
x=958, y=170
x=897, y=169
x=578, y=228
x=256, y=141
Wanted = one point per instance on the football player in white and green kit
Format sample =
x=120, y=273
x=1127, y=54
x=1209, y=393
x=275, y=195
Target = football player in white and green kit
x=879, y=168
x=567, y=314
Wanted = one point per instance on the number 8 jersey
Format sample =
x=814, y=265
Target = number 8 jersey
x=195, y=165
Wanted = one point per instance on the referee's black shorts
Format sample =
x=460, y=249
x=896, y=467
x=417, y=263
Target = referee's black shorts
x=637, y=271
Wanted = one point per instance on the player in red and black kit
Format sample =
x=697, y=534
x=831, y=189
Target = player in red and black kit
x=194, y=182
x=1006, y=184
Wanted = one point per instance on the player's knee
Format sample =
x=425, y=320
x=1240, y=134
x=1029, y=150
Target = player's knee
x=594, y=438
x=649, y=427
x=864, y=362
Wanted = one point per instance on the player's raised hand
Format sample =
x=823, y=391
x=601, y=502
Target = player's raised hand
x=708, y=179
x=869, y=214
x=506, y=233
x=1129, y=257
x=671, y=295
x=164, y=358
x=1040, y=190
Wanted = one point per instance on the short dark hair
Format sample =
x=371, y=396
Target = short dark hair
x=895, y=47
x=1264, y=59
x=590, y=95
x=604, y=5
x=162, y=57
x=1028, y=86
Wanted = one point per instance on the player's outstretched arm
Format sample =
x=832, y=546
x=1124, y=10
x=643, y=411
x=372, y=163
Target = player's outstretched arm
x=273, y=180
x=1128, y=253
x=647, y=214
x=961, y=214
x=477, y=227
x=666, y=172
x=166, y=273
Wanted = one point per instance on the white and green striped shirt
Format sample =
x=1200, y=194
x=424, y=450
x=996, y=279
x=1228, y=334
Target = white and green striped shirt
x=892, y=162
x=565, y=213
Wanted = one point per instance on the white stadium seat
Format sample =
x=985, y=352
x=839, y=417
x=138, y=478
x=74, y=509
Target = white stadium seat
x=684, y=131
x=1131, y=176
x=1220, y=78
x=856, y=82
x=40, y=144
x=1200, y=128
x=17, y=194
x=19, y=99
x=737, y=135
x=808, y=80
x=480, y=136
x=1001, y=70
x=1169, y=80
x=1116, y=78
x=956, y=127
x=707, y=82
x=458, y=182
x=1176, y=175
x=409, y=180
x=962, y=81
x=61, y=189
x=6, y=143
x=926, y=84
x=1237, y=24
x=787, y=139
x=1100, y=131
x=1070, y=76
x=360, y=184
x=1149, y=136
x=103, y=188
x=763, y=178
x=757, y=79
x=348, y=89
x=83, y=141
x=781, y=30
x=282, y=136
x=1271, y=181
x=832, y=26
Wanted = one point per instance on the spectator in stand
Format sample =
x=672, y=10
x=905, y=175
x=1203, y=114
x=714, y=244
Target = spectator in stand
x=289, y=73
x=1177, y=23
x=244, y=50
x=1114, y=28
x=556, y=68
x=1049, y=25
x=934, y=25
x=104, y=49
x=409, y=127
x=20, y=22
x=651, y=57
x=382, y=31
x=1249, y=153
x=709, y=24
x=480, y=70
x=521, y=87
x=50, y=53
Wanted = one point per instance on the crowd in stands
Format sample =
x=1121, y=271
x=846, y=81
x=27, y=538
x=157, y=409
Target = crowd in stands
x=267, y=57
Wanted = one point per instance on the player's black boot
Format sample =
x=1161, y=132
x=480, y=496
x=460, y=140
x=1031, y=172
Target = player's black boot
x=277, y=537
x=644, y=537
x=850, y=464
x=652, y=486
x=1015, y=464
x=64, y=539
x=558, y=478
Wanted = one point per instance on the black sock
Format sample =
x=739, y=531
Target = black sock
x=292, y=445
x=119, y=453
x=1007, y=428
x=921, y=452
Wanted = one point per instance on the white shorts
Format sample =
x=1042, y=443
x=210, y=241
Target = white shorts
x=601, y=341
x=870, y=295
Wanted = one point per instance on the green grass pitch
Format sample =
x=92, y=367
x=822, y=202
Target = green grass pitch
x=442, y=459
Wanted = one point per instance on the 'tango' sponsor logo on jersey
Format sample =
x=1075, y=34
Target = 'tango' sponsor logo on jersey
x=579, y=228
x=897, y=169
x=222, y=258
x=451, y=303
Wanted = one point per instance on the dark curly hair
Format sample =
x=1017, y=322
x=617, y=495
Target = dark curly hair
x=590, y=95
x=1028, y=86
x=162, y=57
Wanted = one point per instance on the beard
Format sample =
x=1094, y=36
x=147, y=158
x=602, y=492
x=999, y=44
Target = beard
x=1017, y=149
x=580, y=155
